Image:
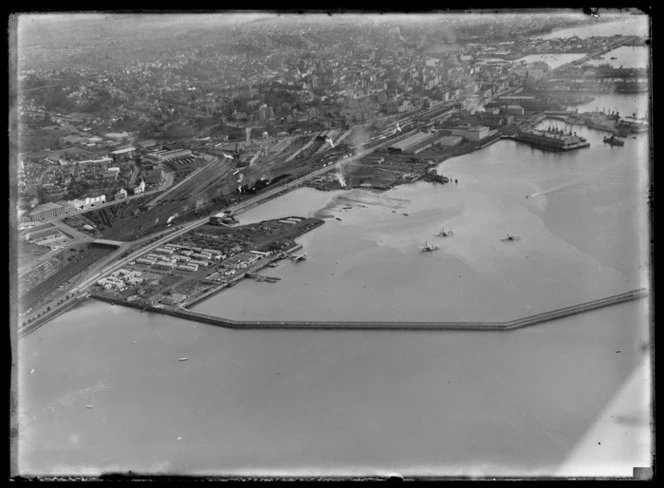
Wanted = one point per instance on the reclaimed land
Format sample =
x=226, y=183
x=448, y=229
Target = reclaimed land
x=366, y=325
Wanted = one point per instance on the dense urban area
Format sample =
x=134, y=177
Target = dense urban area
x=138, y=139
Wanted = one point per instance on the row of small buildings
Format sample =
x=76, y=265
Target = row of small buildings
x=50, y=210
x=120, y=279
x=184, y=258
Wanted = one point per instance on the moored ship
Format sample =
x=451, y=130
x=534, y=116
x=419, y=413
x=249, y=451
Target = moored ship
x=554, y=140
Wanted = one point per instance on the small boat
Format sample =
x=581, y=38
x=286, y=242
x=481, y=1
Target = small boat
x=89, y=406
x=614, y=141
x=511, y=238
x=32, y=370
x=183, y=359
x=613, y=57
x=429, y=247
x=445, y=233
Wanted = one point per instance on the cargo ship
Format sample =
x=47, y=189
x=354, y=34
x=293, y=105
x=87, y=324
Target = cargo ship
x=554, y=140
x=633, y=124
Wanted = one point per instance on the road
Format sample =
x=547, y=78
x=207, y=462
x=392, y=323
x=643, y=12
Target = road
x=115, y=260
x=168, y=181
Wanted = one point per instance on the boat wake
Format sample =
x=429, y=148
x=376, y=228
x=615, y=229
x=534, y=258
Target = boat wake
x=609, y=170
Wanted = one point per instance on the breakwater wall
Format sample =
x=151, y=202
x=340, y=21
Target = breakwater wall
x=397, y=325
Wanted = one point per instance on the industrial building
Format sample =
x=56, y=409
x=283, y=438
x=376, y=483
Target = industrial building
x=46, y=236
x=413, y=144
x=471, y=133
x=174, y=299
x=185, y=164
x=448, y=141
x=49, y=210
x=152, y=173
x=187, y=267
x=167, y=155
x=128, y=152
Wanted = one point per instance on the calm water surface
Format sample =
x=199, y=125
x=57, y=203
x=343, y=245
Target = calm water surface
x=627, y=25
x=108, y=392
x=552, y=60
x=626, y=57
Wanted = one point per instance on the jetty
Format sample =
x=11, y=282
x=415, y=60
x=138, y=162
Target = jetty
x=384, y=325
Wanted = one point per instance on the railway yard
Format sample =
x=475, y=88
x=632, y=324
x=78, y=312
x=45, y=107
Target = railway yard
x=228, y=175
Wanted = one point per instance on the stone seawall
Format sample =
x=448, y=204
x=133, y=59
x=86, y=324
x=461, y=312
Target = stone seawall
x=399, y=325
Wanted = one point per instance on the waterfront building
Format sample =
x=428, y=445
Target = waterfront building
x=448, y=141
x=174, y=299
x=471, y=133
x=414, y=143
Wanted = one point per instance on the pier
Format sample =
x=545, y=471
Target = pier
x=397, y=325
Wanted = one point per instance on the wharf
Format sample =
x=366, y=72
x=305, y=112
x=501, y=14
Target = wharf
x=238, y=277
x=400, y=325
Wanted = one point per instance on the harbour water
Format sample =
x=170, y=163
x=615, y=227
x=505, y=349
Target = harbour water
x=626, y=57
x=553, y=60
x=101, y=387
x=634, y=25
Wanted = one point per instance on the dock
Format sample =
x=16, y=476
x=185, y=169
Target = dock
x=396, y=325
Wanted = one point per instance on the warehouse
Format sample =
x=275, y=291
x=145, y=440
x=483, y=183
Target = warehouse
x=417, y=142
x=187, y=267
